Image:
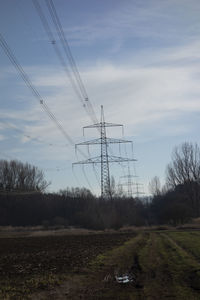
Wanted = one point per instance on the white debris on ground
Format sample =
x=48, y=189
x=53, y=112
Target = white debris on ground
x=124, y=278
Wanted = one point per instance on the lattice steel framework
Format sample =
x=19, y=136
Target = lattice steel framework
x=104, y=159
x=133, y=188
x=129, y=184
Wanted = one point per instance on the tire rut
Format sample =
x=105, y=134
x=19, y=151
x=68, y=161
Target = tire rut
x=182, y=249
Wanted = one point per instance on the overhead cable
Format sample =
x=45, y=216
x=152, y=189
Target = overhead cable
x=55, y=46
x=34, y=91
x=28, y=136
x=67, y=51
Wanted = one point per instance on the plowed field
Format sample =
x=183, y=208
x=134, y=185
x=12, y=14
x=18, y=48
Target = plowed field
x=159, y=265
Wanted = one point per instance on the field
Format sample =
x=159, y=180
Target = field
x=158, y=265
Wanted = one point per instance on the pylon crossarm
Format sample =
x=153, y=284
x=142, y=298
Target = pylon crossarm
x=128, y=184
x=120, y=159
x=128, y=176
x=92, y=160
x=92, y=126
x=91, y=142
x=104, y=159
x=116, y=141
x=98, y=159
x=105, y=124
x=99, y=141
x=111, y=124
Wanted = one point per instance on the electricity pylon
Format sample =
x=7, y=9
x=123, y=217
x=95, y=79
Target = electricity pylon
x=129, y=184
x=138, y=186
x=104, y=159
x=132, y=186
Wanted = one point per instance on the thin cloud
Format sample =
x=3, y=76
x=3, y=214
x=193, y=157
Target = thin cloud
x=163, y=20
x=143, y=94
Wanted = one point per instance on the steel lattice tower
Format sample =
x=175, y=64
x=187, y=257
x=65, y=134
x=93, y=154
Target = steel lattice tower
x=104, y=159
x=105, y=173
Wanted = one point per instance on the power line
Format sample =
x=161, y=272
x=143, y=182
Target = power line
x=68, y=53
x=34, y=91
x=28, y=135
x=88, y=182
x=55, y=46
x=76, y=81
x=80, y=90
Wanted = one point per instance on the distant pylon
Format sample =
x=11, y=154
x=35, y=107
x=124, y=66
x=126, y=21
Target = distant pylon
x=104, y=159
x=129, y=184
x=138, y=186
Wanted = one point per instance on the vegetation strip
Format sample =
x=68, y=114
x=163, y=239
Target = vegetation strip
x=189, y=242
x=39, y=263
x=71, y=267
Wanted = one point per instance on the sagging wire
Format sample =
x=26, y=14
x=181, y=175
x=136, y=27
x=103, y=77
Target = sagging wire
x=28, y=136
x=120, y=150
x=93, y=165
x=32, y=88
x=95, y=172
x=55, y=46
x=60, y=32
x=86, y=178
x=74, y=174
x=88, y=150
x=96, y=175
x=82, y=169
x=57, y=169
x=76, y=154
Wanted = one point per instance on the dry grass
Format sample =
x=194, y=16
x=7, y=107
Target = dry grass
x=9, y=231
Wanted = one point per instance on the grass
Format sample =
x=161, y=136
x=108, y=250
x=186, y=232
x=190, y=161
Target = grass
x=163, y=270
x=33, y=264
x=22, y=289
x=188, y=241
x=164, y=265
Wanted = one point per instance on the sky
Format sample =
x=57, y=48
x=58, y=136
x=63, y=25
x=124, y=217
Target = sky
x=139, y=59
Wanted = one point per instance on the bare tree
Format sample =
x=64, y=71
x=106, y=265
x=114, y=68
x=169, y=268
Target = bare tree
x=76, y=192
x=184, y=173
x=185, y=165
x=18, y=176
x=116, y=190
x=155, y=186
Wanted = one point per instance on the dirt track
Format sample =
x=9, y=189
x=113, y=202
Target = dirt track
x=163, y=265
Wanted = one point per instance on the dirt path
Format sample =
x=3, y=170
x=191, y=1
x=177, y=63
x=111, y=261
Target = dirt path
x=98, y=280
x=85, y=267
x=160, y=267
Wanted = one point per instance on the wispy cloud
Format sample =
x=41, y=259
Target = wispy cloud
x=149, y=81
x=143, y=94
x=163, y=21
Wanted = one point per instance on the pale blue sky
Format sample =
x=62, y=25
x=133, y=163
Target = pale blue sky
x=140, y=59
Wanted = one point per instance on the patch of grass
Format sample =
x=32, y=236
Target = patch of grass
x=165, y=265
x=167, y=272
x=34, y=264
x=183, y=269
x=190, y=241
x=18, y=289
x=120, y=258
x=118, y=261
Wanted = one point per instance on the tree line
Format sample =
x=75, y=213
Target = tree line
x=176, y=202
x=80, y=209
